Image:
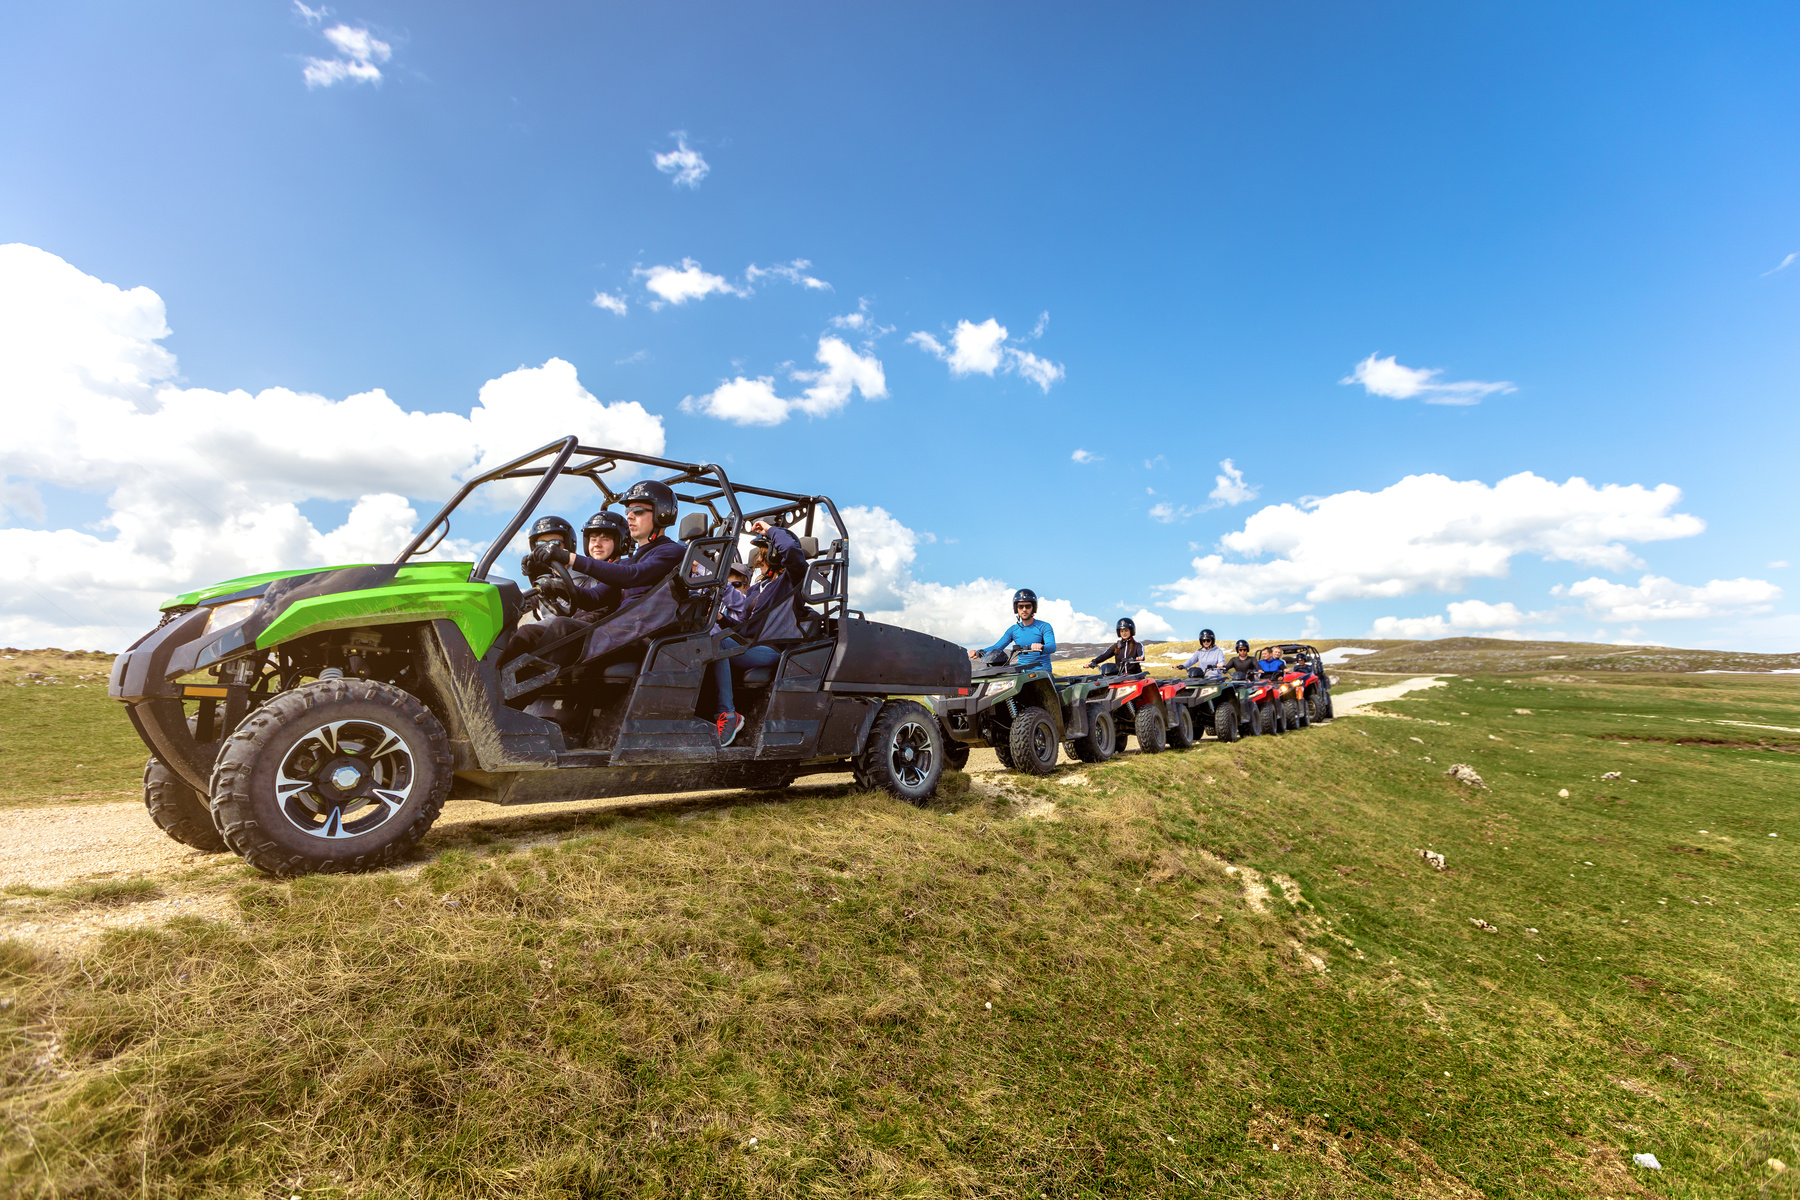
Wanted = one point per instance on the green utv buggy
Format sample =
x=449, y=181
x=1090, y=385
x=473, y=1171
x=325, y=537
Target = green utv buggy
x=1026, y=713
x=318, y=720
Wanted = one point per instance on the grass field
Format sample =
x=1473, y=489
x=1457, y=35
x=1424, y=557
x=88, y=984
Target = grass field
x=1056, y=991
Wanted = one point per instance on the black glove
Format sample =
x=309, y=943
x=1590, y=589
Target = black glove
x=542, y=555
x=555, y=588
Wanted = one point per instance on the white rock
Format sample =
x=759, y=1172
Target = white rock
x=1647, y=1160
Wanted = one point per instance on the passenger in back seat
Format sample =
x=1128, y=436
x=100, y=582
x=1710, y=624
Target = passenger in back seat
x=772, y=614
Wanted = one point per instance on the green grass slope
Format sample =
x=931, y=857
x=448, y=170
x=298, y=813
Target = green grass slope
x=1058, y=992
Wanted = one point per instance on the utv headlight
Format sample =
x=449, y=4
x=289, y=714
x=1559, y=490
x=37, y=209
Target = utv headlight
x=999, y=688
x=225, y=616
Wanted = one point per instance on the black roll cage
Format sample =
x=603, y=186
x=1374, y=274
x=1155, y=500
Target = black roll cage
x=827, y=583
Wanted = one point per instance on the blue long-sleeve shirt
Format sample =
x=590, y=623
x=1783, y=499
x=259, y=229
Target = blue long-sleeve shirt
x=1025, y=636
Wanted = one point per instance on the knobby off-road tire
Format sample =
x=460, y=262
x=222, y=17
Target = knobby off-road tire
x=1290, y=708
x=1003, y=750
x=1225, y=722
x=1033, y=746
x=1182, y=733
x=178, y=809
x=1152, y=730
x=904, y=755
x=1101, y=741
x=956, y=754
x=1319, y=704
x=1268, y=719
x=341, y=775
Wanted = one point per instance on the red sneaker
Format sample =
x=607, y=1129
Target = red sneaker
x=729, y=724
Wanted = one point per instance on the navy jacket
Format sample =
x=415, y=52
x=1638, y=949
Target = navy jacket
x=633, y=575
x=779, y=592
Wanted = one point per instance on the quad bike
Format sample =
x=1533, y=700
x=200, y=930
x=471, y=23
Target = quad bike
x=1026, y=714
x=1197, y=704
x=318, y=720
x=1306, y=682
x=1137, y=706
x=1254, y=707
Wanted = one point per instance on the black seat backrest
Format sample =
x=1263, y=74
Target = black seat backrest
x=693, y=526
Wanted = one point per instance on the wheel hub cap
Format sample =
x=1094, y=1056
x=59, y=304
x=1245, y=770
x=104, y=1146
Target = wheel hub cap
x=345, y=779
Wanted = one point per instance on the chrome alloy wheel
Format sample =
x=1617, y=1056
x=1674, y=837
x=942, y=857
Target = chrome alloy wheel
x=345, y=779
x=910, y=753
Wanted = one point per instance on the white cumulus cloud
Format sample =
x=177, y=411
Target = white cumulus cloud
x=612, y=304
x=982, y=350
x=972, y=613
x=1654, y=598
x=684, y=162
x=1386, y=377
x=1084, y=456
x=201, y=485
x=1464, y=618
x=358, y=53
x=1424, y=533
x=756, y=401
x=678, y=285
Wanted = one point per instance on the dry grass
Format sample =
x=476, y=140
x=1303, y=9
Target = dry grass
x=623, y=1011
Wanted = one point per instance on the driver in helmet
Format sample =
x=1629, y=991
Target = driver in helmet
x=649, y=509
x=1209, y=660
x=1127, y=651
x=1035, y=638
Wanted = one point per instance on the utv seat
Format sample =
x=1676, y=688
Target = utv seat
x=758, y=677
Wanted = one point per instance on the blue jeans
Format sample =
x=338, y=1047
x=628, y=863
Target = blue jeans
x=723, y=669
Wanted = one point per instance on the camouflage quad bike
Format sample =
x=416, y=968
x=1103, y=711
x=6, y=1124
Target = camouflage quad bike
x=1196, y=704
x=1025, y=714
x=318, y=720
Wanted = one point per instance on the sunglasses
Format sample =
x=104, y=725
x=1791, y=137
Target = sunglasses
x=640, y=512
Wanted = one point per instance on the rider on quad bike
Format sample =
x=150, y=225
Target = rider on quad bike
x=1128, y=652
x=1035, y=639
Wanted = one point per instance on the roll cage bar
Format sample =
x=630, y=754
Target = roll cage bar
x=827, y=581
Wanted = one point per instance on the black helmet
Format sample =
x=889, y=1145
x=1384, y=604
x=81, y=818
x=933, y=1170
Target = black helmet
x=554, y=525
x=610, y=523
x=1242, y=645
x=1207, y=633
x=1126, y=625
x=659, y=496
x=1025, y=596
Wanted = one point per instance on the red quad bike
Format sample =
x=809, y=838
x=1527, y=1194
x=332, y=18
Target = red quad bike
x=1305, y=687
x=1136, y=704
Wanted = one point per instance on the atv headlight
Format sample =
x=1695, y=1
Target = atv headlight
x=226, y=615
x=998, y=688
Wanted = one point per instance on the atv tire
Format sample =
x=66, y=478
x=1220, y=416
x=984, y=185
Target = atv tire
x=1291, y=711
x=178, y=809
x=1225, y=723
x=1101, y=741
x=1268, y=719
x=956, y=754
x=338, y=775
x=1032, y=745
x=1182, y=733
x=904, y=755
x=1152, y=731
x=1319, y=703
x=1003, y=749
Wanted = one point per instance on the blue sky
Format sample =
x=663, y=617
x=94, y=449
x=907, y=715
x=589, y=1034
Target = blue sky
x=1222, y=210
